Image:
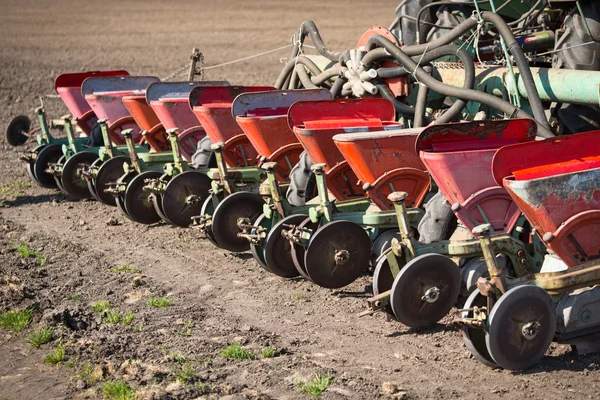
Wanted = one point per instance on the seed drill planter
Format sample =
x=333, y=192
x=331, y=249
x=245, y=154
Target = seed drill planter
x=419, y=283
x=263, y=117
x=50, y=149
x=510, y=322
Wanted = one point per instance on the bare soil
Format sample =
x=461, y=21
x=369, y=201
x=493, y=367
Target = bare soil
x=218, y=298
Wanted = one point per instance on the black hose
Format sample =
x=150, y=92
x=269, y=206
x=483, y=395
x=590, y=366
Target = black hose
x=452, y=91
x=527, y=14
x=512, y=45
x=400, y=107
x=440, y=3
x=337, y=87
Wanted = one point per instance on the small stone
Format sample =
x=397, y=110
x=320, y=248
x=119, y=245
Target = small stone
x=138, y=281
x=81, y=222
x=80, y=384
x=392, y=390
x=112, y=221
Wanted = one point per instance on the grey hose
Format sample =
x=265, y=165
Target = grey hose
x=420, y=106
x=337, y=86
x=304, y=78
x=309, y=28
x=452, y=91
x=289, y=67
x=400, y=107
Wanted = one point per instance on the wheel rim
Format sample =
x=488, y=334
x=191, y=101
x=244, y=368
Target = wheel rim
x=425, y=290
x=299, y=251
x=90, y=181
x=277, y=249
x=225, y=219
x=337, y=254
x=110, y=171
x=184, y=197
x=475, y=338
x=72, y=181
x=48, y=155
x=256, y=250
x=521, y=327
x=138, y=204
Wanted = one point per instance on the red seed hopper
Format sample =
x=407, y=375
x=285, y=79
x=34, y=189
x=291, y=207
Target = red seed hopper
x=68, y=87
x=146, y=119
x=459, y=159
x=105, y=95
x=385, y=162
x=212, y=107
x=170, y=102
x=263, y=118
x=315, y=123
x=556, y=184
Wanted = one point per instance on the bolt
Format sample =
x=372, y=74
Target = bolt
x=586, y=316
x=192, y=199
x=530, y=330
x=521, y=253
x=431, y=295
x=396, y=197
x=548, y=237
x=342, y=257
x=483, y=229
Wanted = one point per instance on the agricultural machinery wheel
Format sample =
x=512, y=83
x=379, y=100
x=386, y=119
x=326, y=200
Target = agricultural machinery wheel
x=157, y=200
x=31, y=165
x=521, y=327
x=475, y=338
x=425, y=290
x=138, y=203
x=90, y=182
x=439, y=221
x=57, y=179
x=120, y=197
x=16, y=132
x=298, y=251
x=225, y=219
x=72, y=181
x=257, y=251
x=383, y=280
x=302, y=187
x=278, y=250
x=337, y=254
x=48, y=155
x=110, y=171
x=183, y=197
x=209, y=209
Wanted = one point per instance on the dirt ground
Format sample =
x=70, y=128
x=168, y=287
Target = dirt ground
x=217, y=298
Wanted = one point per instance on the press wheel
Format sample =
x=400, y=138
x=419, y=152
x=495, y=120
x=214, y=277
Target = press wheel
x=184, y=196
x=277, y=249
x=225, y=219
x=257, y=251
x=72, y=181
x=47, y=155
x=475, y=338
x=57, y=180
x=521, y=327
x=425, y=290
x=16, y=132
x=91, y=182
x=383, y=280
x=298, y=251
x=337, y=254
x=157, y=199
x=110, y=171
x=31, y=164
x=138, y=203
x=208, y=208
x=120, y=197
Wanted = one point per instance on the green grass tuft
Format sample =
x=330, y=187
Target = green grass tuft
x=56, y=356
x=269, y=352
x=90, y=374
x=236, y=351
x=139, y=328
x=118, y=390
x=159, y=302
x=128, y=318
x=100, y=305
x=177, y=357
x=14, y=189
x=40, y=336
x=112, y=316
x=76, y=297
x=186, y=330
x=129, y=269
x=16, y=321
x=316, y=386
x=27, y=252
x=186, y=375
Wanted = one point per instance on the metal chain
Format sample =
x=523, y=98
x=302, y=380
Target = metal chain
x=178, y=72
